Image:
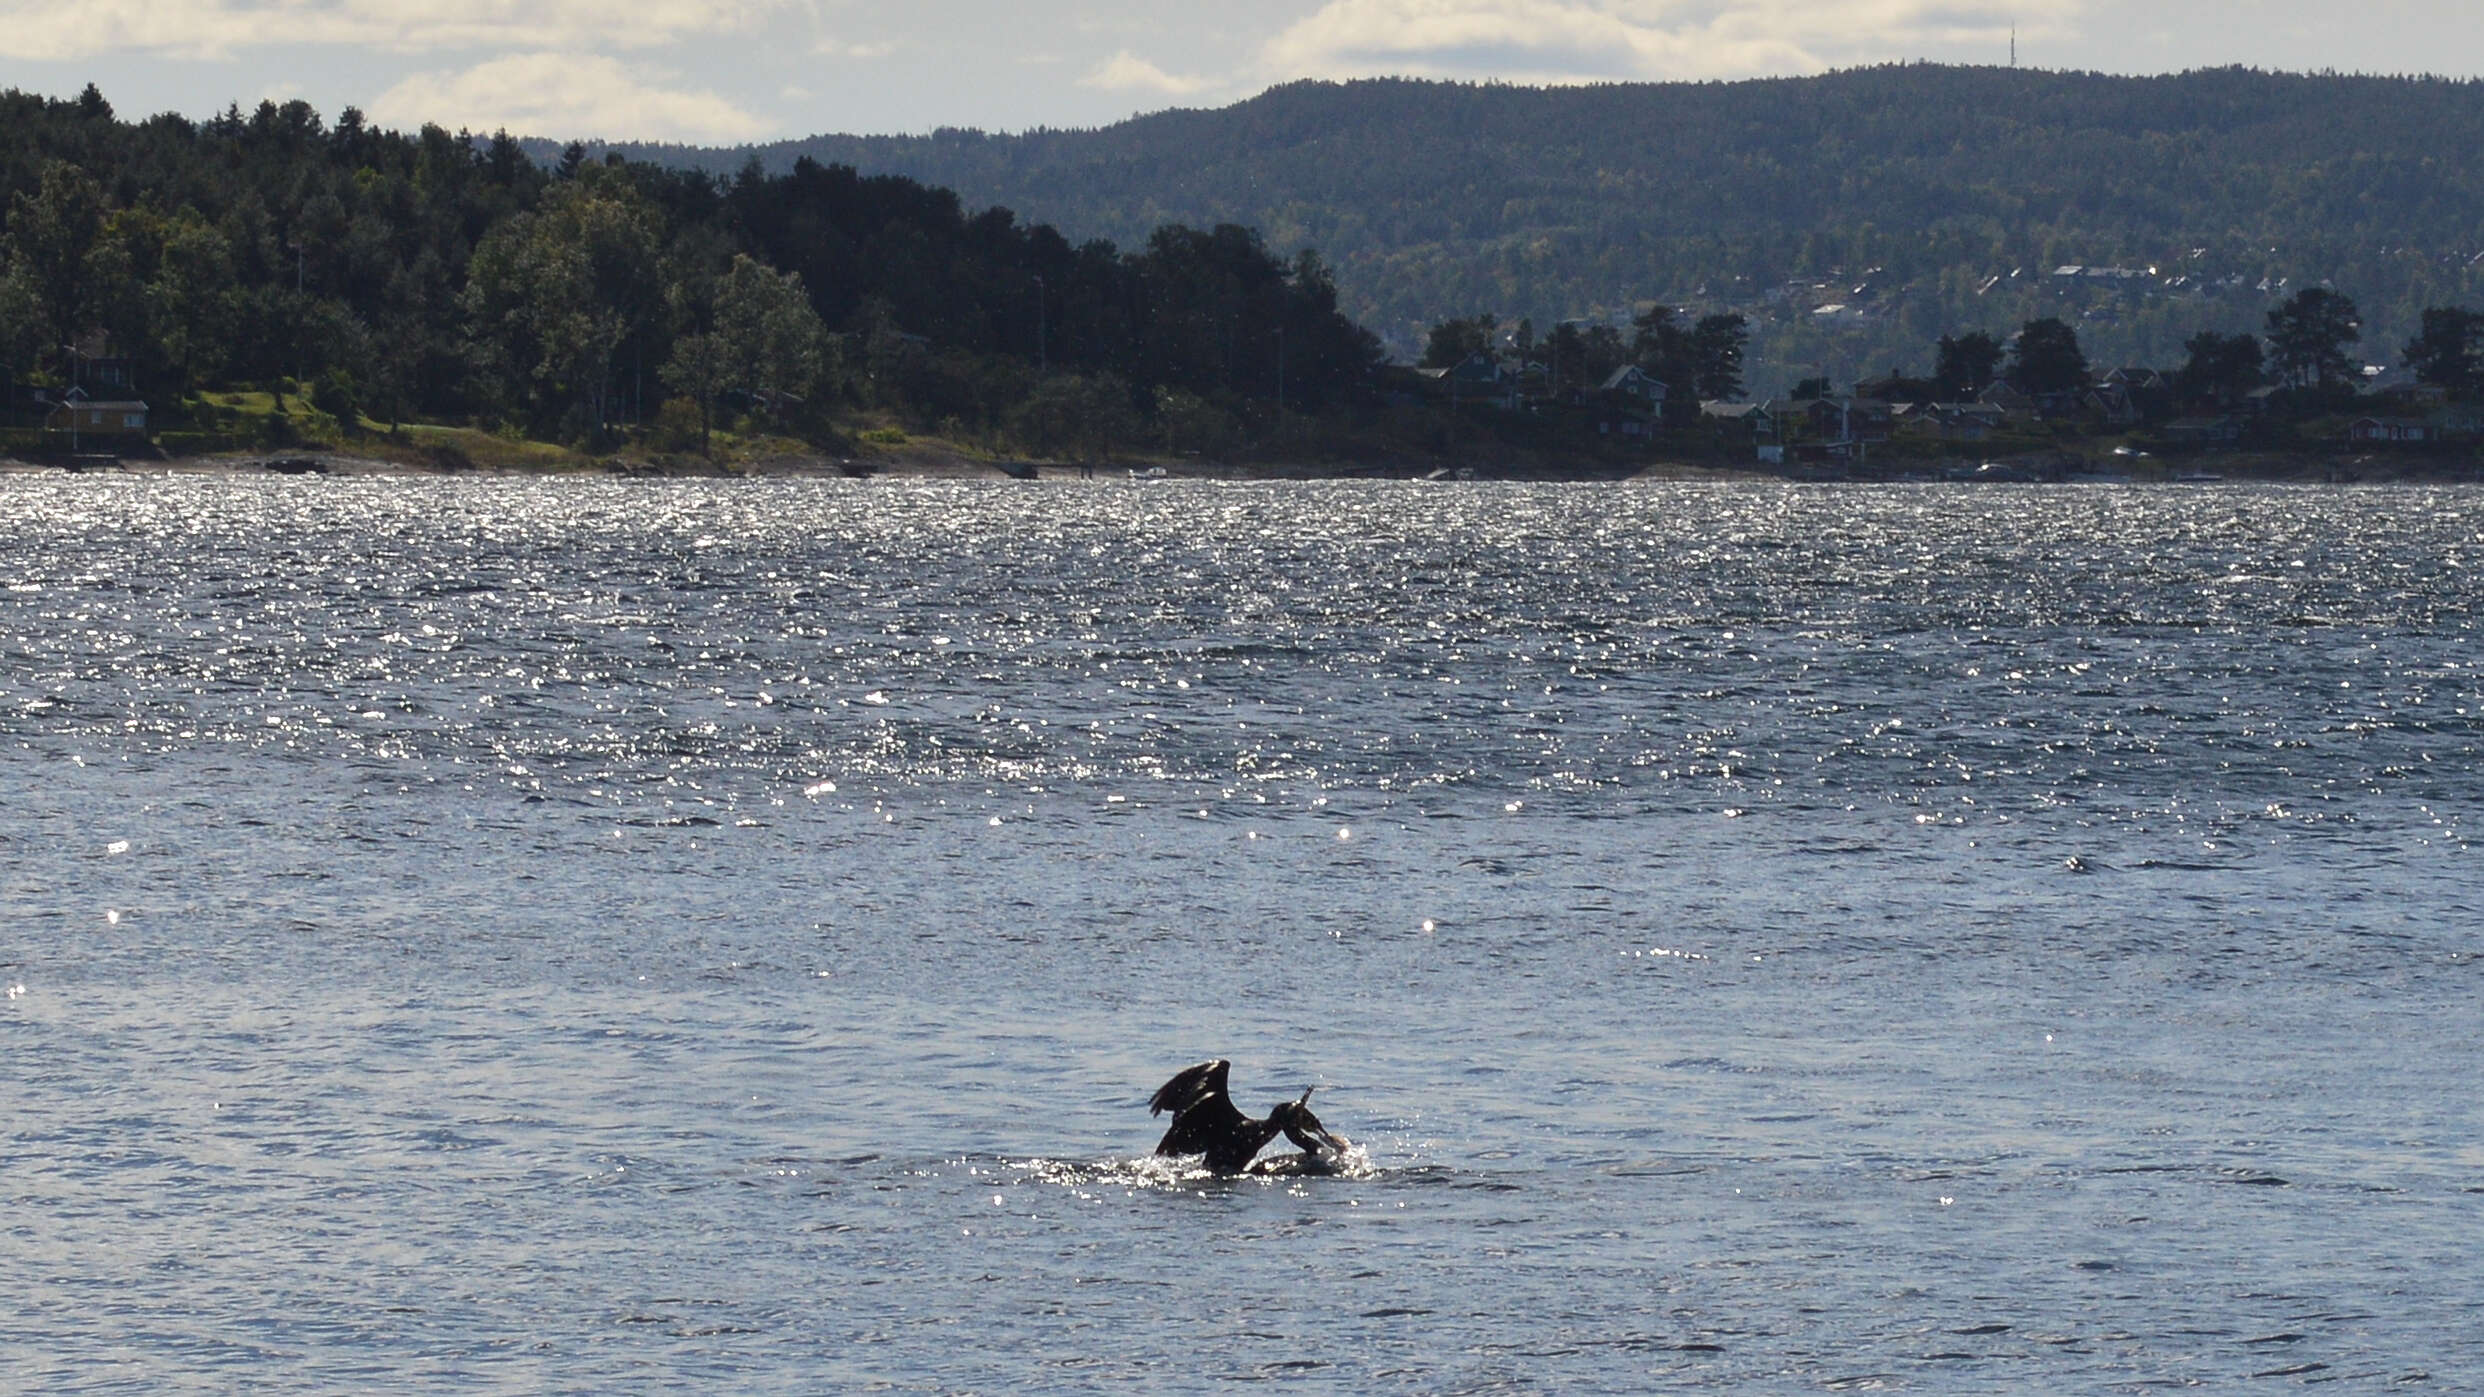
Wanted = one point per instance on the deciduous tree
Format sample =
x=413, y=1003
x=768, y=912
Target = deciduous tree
x=53, y=236
x=1453, y=342
x=2221, y=368
x=2047, y=358
x=773, y=344
x=554, y=294
x=697, y=370
x=190, y=298
x=1966, y=364
x=2450, y=349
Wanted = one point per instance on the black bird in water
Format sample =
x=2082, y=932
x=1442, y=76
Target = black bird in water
x=1205, y=1121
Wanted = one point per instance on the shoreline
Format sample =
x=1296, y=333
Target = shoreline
x=933, y=464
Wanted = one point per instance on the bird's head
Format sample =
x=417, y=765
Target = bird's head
x=1303, y=1128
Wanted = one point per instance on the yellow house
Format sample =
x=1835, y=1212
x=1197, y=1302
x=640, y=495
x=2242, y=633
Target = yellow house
x=101, y=419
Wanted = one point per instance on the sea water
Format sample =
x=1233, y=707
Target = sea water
x=472, y=935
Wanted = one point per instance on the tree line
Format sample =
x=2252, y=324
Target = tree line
x=2302, y=348
x=437, y=276
x=1696, y=360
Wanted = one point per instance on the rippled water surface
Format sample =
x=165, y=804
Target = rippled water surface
x=722, y=936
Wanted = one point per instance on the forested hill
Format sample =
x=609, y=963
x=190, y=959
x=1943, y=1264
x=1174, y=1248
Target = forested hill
x=434, y=277
x=1892, y=193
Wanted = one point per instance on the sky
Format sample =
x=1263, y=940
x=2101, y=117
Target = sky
x=724, y=72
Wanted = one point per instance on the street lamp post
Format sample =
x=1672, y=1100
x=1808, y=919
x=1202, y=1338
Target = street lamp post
x=77, y=381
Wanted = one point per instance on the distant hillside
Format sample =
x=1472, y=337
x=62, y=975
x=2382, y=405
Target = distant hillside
x=1854, y=216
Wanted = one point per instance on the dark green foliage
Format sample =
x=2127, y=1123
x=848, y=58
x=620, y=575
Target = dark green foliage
x=1717, y=343
x=55, y=233
x=1921, y=181
x=2307, y=339
x=2450, y=350
x=251, y=247
x=1581, y=358
x=441, y=276
x=2221, y=368
x=2047, y=359
x=1703, y=361
x=334, y=395
x=1453, y=342
x=1070, y=414
x=1663, y=350
x=1966, y=365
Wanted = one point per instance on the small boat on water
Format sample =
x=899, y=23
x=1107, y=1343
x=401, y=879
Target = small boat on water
x=1151, y=473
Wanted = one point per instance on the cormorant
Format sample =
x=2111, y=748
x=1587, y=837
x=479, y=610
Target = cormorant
x=1205, y=1121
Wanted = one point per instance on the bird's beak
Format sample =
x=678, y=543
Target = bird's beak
x=1311, y=1126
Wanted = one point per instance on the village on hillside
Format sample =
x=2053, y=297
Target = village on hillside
x=1673, y=389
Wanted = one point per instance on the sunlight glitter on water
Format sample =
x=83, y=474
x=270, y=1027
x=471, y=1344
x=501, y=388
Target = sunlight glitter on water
x=2077, y=995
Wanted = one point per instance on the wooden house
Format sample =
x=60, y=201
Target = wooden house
x=77, y=415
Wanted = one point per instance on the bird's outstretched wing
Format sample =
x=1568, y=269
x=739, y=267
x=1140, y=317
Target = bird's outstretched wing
x=1202, y=1112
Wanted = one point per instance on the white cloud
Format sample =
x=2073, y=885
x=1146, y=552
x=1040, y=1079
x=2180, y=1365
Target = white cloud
x=1127, y=72
x=566, y=96
x=1591, y=40
x=833, y=48
x=59, y=30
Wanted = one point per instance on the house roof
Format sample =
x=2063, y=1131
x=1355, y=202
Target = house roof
x=2397, y=381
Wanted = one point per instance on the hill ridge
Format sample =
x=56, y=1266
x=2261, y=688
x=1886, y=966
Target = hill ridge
x=1905, y=196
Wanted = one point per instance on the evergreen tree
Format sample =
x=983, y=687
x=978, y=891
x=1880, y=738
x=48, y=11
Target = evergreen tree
x=1717, y=344
x=2308, y=335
